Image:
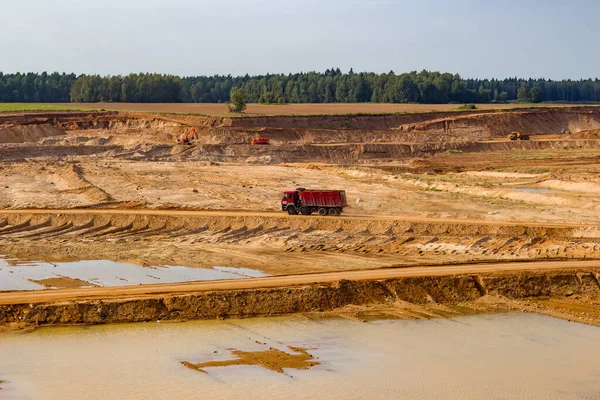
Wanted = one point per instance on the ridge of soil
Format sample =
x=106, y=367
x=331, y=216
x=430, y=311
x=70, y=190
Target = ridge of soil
x=524, y=290
x=280, y=244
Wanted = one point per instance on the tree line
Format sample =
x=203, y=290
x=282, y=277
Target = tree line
x=331, y=86
x=34, y=88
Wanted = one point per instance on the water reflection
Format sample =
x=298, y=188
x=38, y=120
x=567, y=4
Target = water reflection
x=39, y=275
x=489, y=356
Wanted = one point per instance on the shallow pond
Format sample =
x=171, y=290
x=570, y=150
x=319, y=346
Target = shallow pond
x=516, y=356
x=41, y=275
x=533, y=190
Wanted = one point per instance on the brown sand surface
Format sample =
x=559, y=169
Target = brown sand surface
x=272, y=359
x=62, y=282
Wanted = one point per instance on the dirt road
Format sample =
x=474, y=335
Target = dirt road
x=204, y=213
x=129, y=292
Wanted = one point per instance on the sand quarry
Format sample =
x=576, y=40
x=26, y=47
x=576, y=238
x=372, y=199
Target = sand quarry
x=426, y=190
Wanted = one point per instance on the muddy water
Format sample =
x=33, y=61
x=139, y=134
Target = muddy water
x=490, y=356
x=108, y=273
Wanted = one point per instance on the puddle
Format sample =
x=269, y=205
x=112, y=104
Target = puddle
x=533, y=190
x=91, y=273
x=508, y=356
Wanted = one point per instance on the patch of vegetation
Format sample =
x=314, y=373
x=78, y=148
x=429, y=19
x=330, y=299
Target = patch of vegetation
x=440, y=178
x=8, y=107
x=238, y=100
x=466, y=107
x=421, y=178
x=525, y=94
x=347, y=176
x=432, y=189
x=525, y=170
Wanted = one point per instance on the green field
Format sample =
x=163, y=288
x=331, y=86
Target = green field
x=15, y=107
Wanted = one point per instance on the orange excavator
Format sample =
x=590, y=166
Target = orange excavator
x=187, y=137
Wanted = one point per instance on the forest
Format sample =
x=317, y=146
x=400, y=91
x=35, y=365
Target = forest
x=331, y=86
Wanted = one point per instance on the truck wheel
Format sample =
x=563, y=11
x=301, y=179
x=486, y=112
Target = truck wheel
x=304, y=211
x=292, y=210
x=333, y=212
x=322, y=212
x=339, y=210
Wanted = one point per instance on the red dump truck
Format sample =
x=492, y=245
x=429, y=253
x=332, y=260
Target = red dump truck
x=306, y=201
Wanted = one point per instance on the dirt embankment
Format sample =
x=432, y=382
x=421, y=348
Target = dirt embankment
x=409, y=128
x=360, y=153
x=524, y=117
x=43, y=117
x=337, y=122
x=520, y=290
x=28, y=133
x=278, y=244
x=342, y=139
x=147, y=220
x=332, y=139
x=498, y=124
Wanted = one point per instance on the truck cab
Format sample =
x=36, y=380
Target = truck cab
x=290, y=198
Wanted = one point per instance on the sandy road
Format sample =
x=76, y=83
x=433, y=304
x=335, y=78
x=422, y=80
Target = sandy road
x=203, y=213
x=129, y=292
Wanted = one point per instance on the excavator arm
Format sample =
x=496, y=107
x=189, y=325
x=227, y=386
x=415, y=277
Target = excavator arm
x=187, y=137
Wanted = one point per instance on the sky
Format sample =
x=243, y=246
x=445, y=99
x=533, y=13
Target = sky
x=553, y=39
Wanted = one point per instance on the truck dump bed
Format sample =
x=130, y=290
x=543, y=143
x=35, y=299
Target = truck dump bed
x=323, y=198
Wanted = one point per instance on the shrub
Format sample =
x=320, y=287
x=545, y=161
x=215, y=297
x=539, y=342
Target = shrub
x=238, y=100
x=466, y=107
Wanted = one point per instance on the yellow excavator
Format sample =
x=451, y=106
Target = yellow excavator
x=188, y=136
x=517, y=136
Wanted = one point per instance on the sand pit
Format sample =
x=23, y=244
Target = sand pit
x=424, y=189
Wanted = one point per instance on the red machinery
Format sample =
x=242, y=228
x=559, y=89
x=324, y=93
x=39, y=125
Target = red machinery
x=305, y=201
x=261, y=140
x=187, y=137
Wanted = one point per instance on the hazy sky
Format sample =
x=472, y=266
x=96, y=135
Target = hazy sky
x=476, y=38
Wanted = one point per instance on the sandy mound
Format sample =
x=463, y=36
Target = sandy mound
x=28, y=133
x=588, y=134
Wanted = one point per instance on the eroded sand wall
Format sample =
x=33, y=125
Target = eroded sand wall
x=317, y=297
x=331, y=139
